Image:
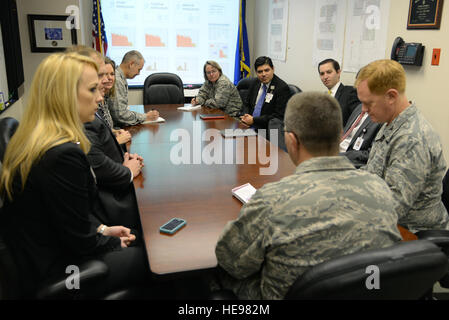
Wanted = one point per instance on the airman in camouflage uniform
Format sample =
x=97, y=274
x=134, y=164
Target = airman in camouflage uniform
x=326, y=209
x=406, y=152
x=119, y=108
x=130, y=67
x=218, y=92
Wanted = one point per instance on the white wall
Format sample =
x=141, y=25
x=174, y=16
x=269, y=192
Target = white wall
x=31, y=60
x=426, y=85
x=298, y=68
x=15, y=111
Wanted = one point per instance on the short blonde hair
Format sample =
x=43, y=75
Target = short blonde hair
x=132, y=56
x=383, y=75
x=50, y=119
x=212, y=64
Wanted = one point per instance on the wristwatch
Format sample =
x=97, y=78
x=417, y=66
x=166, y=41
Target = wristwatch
x=102, y=228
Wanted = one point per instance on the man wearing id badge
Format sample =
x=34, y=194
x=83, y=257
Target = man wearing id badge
x=407, y=151
x=267, y=96
x=358, y=136
x=330, y=71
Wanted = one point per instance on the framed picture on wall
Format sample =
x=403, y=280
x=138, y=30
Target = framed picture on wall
x=424, y=14
x=50, y=33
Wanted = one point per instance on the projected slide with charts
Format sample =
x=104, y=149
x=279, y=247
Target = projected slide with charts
x=176, y=36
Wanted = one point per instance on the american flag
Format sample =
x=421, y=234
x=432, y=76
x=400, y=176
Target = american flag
x=100, y=42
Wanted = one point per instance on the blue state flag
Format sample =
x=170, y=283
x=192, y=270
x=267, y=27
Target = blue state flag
x=242, y=60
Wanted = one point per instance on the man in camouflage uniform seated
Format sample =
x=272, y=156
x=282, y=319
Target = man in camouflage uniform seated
x=406, y=152
x=325, y=209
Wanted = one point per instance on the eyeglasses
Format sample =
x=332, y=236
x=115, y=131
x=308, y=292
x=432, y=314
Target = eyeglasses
x=211, y=72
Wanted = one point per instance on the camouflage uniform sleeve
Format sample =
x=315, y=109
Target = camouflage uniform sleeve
x=119, y=109
x=203, y=94
x=404, y=172
x=241, y=248
x=226, y=98
x=221, y=97
x=235, y=104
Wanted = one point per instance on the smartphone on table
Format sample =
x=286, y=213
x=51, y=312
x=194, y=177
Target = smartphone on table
x=172, y=226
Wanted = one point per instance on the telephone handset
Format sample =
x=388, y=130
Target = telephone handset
x=407, y=53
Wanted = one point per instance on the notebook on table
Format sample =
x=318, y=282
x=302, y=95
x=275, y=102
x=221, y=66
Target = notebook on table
x=231, y=133
x=159, y=120
x=212, y=116
x=244, y=192
x=190, y=107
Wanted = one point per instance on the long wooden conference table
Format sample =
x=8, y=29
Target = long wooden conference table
x=198, y=192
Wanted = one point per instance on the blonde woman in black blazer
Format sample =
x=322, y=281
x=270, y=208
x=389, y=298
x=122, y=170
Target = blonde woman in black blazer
x=49, y=191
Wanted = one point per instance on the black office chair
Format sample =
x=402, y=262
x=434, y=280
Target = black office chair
x=407, y=270
x=445, y=194
x=163, y=88
x=294, y=89
x=8, y=127
x=243, y=87
x=440, y=237
x=90, y=272
x=277, y=125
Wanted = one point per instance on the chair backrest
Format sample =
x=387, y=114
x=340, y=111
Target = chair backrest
x=407, y=270
x=163, y=87
x=243, y=87
x=294, y=89
x=8, y=127
x=445, y=194
x=9, y=278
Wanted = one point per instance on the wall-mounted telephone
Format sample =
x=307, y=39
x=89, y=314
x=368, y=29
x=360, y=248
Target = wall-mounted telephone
x=407, y=53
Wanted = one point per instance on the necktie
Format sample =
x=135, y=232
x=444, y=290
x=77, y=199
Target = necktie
x=329, y=91
x=356, y=122
x=259, y=104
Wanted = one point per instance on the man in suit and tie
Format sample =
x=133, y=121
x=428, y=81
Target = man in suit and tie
x=330, y=71
x=358, y=136
x=267, y=96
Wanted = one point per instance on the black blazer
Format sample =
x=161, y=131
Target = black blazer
x=49, y=225
x=116, y=190
x=347, y=97
x=273, y=109
x=367, y=131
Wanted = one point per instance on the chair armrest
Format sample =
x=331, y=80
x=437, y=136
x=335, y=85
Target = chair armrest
x=90, y=273
x=439, y=237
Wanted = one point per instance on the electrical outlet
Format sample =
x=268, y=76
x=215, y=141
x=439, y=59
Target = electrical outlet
x=436, y=57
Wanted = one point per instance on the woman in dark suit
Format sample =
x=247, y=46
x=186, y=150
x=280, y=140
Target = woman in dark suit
x=49, y=190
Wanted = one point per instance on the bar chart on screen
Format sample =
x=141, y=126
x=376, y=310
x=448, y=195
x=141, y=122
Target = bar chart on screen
x=176, y=36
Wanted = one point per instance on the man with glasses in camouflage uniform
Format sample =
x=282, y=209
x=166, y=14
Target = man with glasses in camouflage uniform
x=324, y=210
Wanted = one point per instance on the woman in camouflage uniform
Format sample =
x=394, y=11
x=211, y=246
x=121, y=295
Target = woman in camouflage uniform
x=218, y=92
